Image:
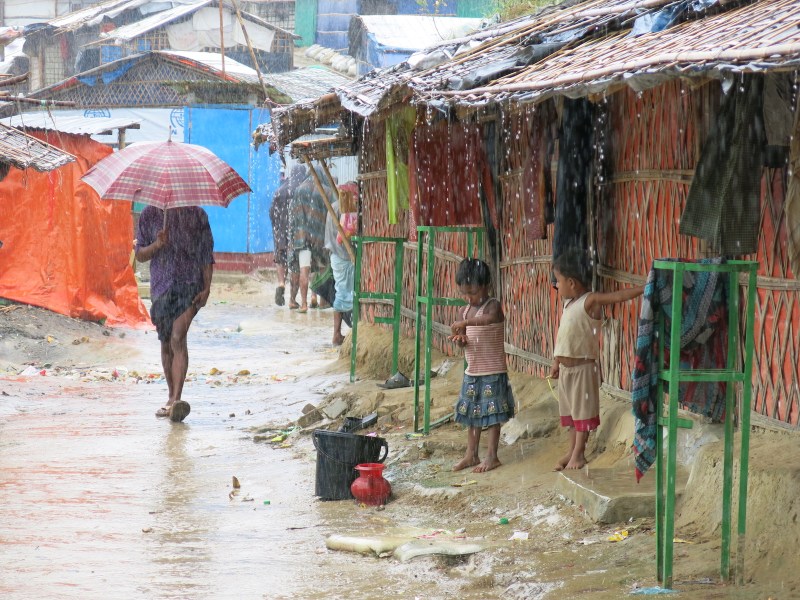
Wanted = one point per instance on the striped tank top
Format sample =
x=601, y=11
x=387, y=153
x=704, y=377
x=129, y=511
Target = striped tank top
x=485, y=352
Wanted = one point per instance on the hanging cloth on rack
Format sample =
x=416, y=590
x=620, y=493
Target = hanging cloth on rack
x=723, y=202
x=537, y=184
x=703, y=345
x=448, y=175
x=398, y=135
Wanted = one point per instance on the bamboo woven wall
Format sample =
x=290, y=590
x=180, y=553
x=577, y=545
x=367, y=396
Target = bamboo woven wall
x=654, y=146
x=655, y=141
x=377, y=273
x=657, y=138
x=530, y=303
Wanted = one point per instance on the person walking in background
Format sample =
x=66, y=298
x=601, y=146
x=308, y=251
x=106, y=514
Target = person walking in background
x=180, y=249
x=486, y=400
x=279, y=215
x=307, y=219
x=341, y=264
x=576, y=362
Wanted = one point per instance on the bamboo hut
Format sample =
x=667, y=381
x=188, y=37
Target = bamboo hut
x=651, y=96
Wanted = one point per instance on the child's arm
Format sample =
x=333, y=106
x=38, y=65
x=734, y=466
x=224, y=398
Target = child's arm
x=597, y=300
x=555, y=368
x=493, y=313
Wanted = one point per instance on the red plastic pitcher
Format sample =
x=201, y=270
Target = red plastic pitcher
x=370, y=487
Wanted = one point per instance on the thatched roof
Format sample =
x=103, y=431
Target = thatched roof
x=572, y=49
x=761, y=36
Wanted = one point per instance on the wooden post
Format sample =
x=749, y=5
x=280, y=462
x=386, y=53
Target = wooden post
x=331, y=212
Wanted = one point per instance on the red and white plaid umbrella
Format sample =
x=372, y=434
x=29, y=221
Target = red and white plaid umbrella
x=166, y=175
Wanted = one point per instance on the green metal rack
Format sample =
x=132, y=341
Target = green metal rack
x=674, y=376
x=426, y=235
x=395, y=296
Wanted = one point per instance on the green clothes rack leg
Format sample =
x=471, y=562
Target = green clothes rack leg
x=426, y=247
x=667, y=426
x=395, y=296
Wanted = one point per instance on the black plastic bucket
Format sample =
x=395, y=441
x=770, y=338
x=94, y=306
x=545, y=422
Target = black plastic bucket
x=337, y=456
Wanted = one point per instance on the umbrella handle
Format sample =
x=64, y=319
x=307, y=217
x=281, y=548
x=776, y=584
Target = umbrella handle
x=165, y=219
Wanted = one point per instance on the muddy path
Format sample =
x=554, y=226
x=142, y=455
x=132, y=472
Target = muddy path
x=100, y=499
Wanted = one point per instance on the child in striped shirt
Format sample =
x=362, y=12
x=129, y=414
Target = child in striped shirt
x=486, y=400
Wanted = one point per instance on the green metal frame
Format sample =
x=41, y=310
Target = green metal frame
x=674, y=376
x=396, y=296
x=424, y=297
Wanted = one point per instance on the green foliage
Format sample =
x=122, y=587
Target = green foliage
x=511, y=9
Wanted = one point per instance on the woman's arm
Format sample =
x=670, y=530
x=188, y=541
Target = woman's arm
x=143, y=254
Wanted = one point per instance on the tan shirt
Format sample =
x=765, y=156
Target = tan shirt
x=578, y=333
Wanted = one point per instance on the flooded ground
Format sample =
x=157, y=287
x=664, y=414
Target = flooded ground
x=99, y=499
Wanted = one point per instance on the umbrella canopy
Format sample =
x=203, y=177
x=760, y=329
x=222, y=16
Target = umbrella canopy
x=166, y=175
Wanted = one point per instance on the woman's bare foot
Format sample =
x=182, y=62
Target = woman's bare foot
x=467, y=461
x=487, y=465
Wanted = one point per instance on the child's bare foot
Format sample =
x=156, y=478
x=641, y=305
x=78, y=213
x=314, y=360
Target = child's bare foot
x=467, y=461
x=487, y=465
x=576, y=463
x=338, y=339
x=563, y=462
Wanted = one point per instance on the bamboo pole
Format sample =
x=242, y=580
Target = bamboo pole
x=221, y=39
x=331, y=212
x=250, y=48
x=6, y=81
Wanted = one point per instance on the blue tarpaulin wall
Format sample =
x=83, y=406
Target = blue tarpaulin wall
x=244, y=226
x=333, y=16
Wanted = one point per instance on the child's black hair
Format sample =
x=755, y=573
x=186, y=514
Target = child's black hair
x=573, y=263
x=473, y=271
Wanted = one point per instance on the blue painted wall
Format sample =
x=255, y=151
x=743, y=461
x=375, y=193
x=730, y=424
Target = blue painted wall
x=244, y=226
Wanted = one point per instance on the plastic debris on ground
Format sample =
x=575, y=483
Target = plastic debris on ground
x=618, y=535
x=652, y=591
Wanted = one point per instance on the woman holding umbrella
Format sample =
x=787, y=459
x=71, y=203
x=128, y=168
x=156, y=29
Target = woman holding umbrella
x=181, y=264
x=174, y=180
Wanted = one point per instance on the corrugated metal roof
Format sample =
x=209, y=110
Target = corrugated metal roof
x=93, y=15
x=68, y=124
x=131, y=31
x=308, y=82
x=24, y=151
x=415, y=32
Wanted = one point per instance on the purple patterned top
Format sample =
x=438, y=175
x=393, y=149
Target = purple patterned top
x=189, y=249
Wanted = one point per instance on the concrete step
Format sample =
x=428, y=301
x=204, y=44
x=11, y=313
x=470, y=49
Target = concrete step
x=611, y=495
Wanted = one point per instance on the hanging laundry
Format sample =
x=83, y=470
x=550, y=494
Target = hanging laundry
x=537, y=184
x=398, y=135
x=448, y=175
x=723, y=202
x=575, y=144
x=703, y=345
x=793, y=198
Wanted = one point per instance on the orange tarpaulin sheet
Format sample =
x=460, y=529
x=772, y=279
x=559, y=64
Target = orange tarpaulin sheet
x=64, y=248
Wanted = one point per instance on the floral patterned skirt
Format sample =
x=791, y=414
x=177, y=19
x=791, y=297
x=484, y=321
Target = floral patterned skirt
x=485, y=400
